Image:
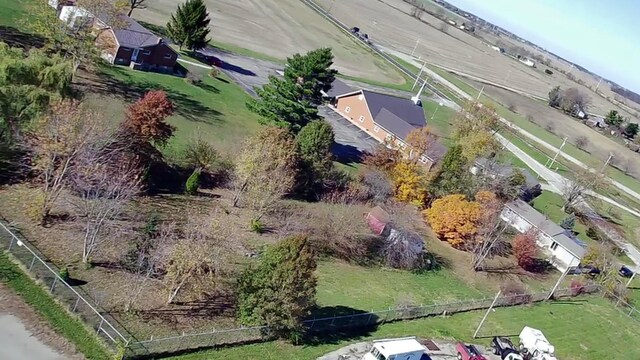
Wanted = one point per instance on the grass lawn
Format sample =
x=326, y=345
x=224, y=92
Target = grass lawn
x=214, y=109
x=12, y=11
x=550, y=204
x=62, y=322
x=627, y=222
x=342, y=284
x=440, y=119
x=576, y=327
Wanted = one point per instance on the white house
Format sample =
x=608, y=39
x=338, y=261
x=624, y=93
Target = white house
x=75, y=16
x=527, y=62
x=395, y=349
x=563, y=249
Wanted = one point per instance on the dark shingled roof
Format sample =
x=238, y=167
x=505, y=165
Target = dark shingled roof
x=402, y=108
x=135, y=35
x=559, y=235
x=338, y=88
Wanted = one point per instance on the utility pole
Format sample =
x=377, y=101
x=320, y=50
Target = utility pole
x=606, y=163
x=415, y=47
x=631, y=279
x=564, y=141
x=480, y=93
x=495, y=300
x=597, y=86
x=564, y=274
x=419, y=74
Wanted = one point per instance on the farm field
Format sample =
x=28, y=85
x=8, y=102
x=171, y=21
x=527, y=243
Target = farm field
x=575, y=327
x=389, y=24
x=280, y=28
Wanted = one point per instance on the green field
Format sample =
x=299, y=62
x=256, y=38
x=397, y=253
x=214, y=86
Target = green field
x=581, y=329
x=550, y=204
x=374, y=288
x=215, y=109
x=60, y=321
x=11, y=12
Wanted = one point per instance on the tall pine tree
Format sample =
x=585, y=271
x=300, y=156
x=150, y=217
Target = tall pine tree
x=282, y=103
x=189, y=26
x=279, y=290
x=312, y=71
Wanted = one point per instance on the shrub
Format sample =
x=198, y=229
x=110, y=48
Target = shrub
x=548, y=72
x=524, y=249
x=577, y=287
x=257, y=226
x=595, y=234
x=64, y=274
x=582, y=142
x=193, y=79
x=193, y=182
x=214, y=72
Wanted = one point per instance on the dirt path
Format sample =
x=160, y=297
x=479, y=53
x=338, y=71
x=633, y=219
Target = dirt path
x=25, y=336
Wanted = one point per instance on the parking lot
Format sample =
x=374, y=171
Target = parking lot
x=350, y=141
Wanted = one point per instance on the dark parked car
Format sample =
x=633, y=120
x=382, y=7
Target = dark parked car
x=355, y=30
x=504, y=348
x=585, y=270
x=625, y=272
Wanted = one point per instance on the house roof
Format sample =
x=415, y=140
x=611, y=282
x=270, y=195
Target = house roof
x=436, y=151
x=338, y=88
x=505, y=170
x=398, y=346
x=553, y=230
x=134, y=35
x=402, y=108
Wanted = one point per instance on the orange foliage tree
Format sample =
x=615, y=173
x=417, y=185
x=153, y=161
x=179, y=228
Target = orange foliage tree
x=146, y=118
x=409, y=183
x=524, y=249
x=454, y=219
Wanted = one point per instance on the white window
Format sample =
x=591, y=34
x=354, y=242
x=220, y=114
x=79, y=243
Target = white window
x=168, y=56
x=423, y=159
x=554, y=245
x=347, y=109
x=361, y=118
x=376, y=128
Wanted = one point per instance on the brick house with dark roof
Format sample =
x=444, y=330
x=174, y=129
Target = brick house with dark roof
x=135, y=46
x=388, y=119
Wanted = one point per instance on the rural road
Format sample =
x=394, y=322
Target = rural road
x=16, y=342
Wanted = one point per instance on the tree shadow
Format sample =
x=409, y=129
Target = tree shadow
x=186, y=106
x=335, y=324
x=209, y=56
x=346, y=153
x=16, y=38
x=218, y=303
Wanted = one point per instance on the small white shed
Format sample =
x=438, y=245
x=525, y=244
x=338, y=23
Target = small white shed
x=75, y=16
x=395, y=349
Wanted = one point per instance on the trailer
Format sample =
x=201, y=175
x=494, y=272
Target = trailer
x=394, y=349
x=535, y=345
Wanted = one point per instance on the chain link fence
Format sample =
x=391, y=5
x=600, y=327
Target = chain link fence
x=75, y=299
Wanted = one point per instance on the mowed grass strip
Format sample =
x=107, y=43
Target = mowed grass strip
x=58, y=318
x=587, y=328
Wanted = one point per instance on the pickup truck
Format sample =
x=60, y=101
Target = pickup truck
x=468, y=352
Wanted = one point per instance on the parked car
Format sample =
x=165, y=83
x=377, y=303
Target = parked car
x=355, y=30
x=468, y=352
x=585, y=270
x=535, y=346
x=503, y=347
x=625, y=271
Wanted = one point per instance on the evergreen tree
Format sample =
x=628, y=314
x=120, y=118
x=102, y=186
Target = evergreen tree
x=312, y=71
x=568, y=223
x=454, y=176
x=279, y=290
x=282, y=103
x=189, y=25
x=314, y=146
x=555, y=96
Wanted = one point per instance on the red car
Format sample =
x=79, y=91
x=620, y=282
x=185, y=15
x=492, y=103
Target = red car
x=468, y=352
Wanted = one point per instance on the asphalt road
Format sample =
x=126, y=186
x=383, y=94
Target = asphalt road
x=350, y=141
x=16, y=343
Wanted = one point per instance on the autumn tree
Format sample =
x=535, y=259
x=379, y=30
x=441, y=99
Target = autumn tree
x=189, y=25
x=600, y=256
x=409, y=182
x=454, y=219
x=279, y=289
x=312, y=71
x=146, y=118
x=266, y=169
x=525, y=249
x=453, y=175
x=420, y=141
x=58, y=138
x=382, y=158
x=474, y=129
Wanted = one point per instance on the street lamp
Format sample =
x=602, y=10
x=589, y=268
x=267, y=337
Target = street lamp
x=436, y=111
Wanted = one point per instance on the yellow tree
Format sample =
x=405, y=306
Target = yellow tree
x=409, y=182
x=454, y=219
x=420, y=140
x=474, y=127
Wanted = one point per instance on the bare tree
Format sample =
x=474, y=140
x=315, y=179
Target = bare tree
x=378, y=183
x=104, y=187
x=582, y=142
x=403, y=250
x=490, y=230
x=573, y=100
x=572, y=190
x=194, y=259
x=417, y=12
x=59, y=137
x=136, y=4
x=444, y=27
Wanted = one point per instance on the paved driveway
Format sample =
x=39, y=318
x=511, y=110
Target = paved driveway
x=17, y=343
x=350, y=141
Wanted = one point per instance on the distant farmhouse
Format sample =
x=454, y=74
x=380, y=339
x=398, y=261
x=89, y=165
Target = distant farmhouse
x=129, y=44
x=388, y=119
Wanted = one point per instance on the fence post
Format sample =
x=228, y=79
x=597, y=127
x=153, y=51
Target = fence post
x=75, y=306
x=100, y=326
x=53, y=286
x=11, y=243
x=33, y=261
